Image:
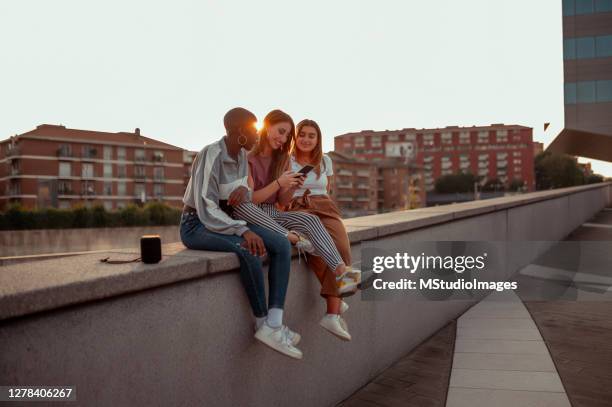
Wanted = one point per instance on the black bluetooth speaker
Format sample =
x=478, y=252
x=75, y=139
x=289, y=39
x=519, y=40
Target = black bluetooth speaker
x=150, y=249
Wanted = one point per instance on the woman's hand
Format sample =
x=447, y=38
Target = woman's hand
x=238, y=196
x=253, y=243
x=290, y=179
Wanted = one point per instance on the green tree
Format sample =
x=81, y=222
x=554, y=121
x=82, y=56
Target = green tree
x=556, y=171
x=455, y=183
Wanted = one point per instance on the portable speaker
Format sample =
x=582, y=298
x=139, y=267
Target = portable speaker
x=150, y=249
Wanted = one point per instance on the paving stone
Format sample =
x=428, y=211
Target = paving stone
x=495, y=361
x=462, y=397
x=507, y=380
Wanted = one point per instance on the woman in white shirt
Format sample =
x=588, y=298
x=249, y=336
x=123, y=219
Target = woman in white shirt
x=313, y=197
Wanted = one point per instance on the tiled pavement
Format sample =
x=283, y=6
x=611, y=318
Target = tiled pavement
x=500, y=358
x=505, y=355
x=579, y=333
x=420, y=379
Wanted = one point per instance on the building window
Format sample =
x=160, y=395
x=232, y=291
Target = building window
x=108, y=170
x=139, y=191
x=108, y=205
x=121, y=153
x=139, y=171
x=483, y=136
x=87, y=170
x=158, y=156
x=585, y=92
x=64, y=150
x=108, y=188
x=64, y=204
x=603, y=6
x=502, y=136
x=158, y=173
x=464, y=137
x=585, y=47
x=64, y=187
x=121, y=189
x=87, y=188
x=121, y=171
x=108, y=152
x=603, y=45
x=375, y=141
x=604, y=91
x=588, y=92
x=447, y=138
x=89, y=152
x=158, y=190
x=393, y=137
x=65, y=169
x=428, y=139
x=120, y=205
x=139, y=154
x=359, y=141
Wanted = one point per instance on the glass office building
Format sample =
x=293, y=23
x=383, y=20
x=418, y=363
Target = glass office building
x=587, y=68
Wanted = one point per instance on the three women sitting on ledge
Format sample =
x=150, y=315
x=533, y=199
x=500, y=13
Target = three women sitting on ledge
x=261, y=203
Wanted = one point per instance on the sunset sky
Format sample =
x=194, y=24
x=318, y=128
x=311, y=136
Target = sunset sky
x=174, y=68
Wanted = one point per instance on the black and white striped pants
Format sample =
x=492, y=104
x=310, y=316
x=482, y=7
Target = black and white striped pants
x=268, y=216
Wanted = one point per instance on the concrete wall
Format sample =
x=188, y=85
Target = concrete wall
x=39, y=241
x=180, y=332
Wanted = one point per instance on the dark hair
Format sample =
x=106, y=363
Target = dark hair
x=236, y=118
x=280, y=157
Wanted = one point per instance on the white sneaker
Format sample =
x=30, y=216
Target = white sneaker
x=343, y=307
x=277, y=339
x=334, y=324
x=293, y=337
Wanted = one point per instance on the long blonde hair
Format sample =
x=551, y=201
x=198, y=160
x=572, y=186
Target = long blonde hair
x=317, y=154
x=280, y=157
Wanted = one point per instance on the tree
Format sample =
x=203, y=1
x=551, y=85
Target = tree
x=455, y=183
x=556, y=171
x=516, y=185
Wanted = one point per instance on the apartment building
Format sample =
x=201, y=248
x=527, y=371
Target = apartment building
x=498, y=151
x=55, y=166
x=364, y=187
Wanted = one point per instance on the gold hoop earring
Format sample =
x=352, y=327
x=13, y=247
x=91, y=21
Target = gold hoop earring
x=242, y=143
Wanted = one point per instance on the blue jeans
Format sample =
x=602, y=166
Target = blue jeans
x=194, y=235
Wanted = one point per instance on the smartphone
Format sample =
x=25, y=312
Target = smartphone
x=305, y=170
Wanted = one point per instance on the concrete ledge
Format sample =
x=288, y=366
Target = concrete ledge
x=181, y=332
x=58, y=282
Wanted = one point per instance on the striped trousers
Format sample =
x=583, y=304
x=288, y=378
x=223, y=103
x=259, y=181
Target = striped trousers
x=268, y=216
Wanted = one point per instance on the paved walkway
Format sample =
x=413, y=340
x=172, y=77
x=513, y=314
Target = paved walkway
x=420, y=379
x=501, y=359
x=579, y=333
x=510, y=353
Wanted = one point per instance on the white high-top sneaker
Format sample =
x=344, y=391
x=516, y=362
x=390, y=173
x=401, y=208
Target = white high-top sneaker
x=277, y=339
x=333, y=323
